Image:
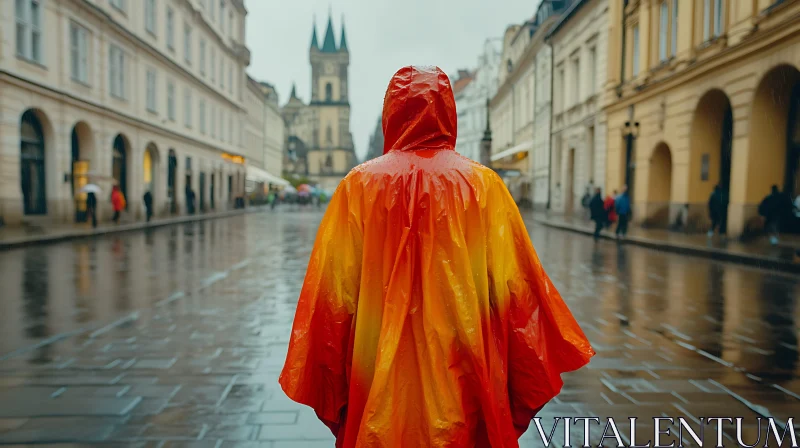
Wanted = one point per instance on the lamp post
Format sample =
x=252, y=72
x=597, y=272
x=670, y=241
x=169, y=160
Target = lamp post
x=630, y=132
x=486, y=141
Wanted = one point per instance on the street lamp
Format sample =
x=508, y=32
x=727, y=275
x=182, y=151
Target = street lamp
x=630, y=132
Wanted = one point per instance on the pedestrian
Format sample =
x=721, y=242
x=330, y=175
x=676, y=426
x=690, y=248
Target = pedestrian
x=585, y=201
x=91, y=207
x=117, y=202
x=429, y=359
x=598, y=213
x=718, y=210
x=271, y=199
x=148, y=205
x=774, y=208
x=622, y=205
x=608, y=204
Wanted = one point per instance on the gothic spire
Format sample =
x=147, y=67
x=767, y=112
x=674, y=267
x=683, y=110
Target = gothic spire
x=294, y=87
x=314, y=42
x=343, y=40
x=329, y=45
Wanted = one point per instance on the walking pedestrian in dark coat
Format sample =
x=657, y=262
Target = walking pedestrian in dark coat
x=148, y=205
x=91, y=207
x=774, y=208
x=598, y=213
x=718, y=211
x=623, y=207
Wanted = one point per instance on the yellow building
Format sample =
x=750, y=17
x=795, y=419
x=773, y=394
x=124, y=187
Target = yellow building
x=701, y=93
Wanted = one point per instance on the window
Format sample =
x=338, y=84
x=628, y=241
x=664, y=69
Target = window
x=29, y=31
x=674, y=29
x=576, y=80
x=151, y=90
x=635, y=65
x=663, y=30
x=119, y=4
x=560, y=88
x=222, y=74
x=171, y=101
x=213, y=64
x=328, y=92
x=592, y=70
x=203, y=57
x=150, y=16
x=221, y=125
x=222, y=15
x=712, y=19
x=213, y=10
x=230, y=128
x=230, y=78
x=187, y=43
x=79, y=65
x=230, y=24
x=116, y=72
x=202, y=112
x=212, y=121
x=187, y=107
x=170, y=28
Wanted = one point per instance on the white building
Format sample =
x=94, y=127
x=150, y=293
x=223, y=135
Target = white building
x=264, y=138
x=520, y=111
x=471, y=101
x=146, y=94
x=580, y=42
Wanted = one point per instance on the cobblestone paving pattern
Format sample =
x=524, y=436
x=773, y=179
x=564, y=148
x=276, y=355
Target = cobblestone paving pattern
x=175, y=337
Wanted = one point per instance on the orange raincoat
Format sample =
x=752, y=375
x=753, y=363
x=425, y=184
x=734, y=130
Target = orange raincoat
x=426, y=319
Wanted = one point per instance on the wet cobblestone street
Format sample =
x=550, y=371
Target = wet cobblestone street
x=176, y=336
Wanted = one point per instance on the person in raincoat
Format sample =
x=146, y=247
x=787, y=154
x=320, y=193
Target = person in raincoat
x=426, y=318
x=117, y=202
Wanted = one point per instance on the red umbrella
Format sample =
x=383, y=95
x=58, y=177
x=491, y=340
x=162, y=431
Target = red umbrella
x=305, y=188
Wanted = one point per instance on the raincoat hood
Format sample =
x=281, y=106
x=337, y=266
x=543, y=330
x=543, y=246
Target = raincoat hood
x=419, y=110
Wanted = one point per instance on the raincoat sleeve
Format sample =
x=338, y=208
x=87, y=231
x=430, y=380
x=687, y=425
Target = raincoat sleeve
x=315, y=372
x=544, y=340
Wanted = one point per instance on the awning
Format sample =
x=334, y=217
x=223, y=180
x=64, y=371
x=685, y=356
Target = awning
x=256, y=174
x=522, y=147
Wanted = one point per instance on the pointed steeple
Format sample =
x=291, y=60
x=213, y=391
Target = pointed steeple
x=329, y=45
x=343, y=40
x=314, y=42
x=294, y=89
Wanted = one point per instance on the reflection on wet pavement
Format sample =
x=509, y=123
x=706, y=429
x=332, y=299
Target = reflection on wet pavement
x=178, y=333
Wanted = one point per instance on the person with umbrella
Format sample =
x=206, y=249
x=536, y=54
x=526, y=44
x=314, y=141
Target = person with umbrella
x=91, y=191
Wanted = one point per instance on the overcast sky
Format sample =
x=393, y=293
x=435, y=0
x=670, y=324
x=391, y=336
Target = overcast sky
x=382, y=36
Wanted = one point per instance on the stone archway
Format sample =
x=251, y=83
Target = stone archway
x=711, y=139
x=33, y=180
x=119, y=163
x=82, y=149
x=775, y=134
x=659, y=188
x=172, y=181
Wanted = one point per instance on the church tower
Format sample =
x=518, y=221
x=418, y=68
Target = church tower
x=332, y=143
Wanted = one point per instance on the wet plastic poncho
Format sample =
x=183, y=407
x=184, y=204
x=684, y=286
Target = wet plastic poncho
x=426, y=319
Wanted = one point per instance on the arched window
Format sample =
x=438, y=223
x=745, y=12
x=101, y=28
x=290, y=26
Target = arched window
x=119, y=169
x=328, y=92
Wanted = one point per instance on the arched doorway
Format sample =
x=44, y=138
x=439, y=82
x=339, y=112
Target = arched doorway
x=775, y=134
x=659, y=188
x=172, y=166
x=150, y=165
x=32, y=167
x=119, y=164
x=711, y=140
x=81, y=142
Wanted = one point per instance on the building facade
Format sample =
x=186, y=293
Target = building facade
x=471, y=101
x=375, y=149
x=701, y=94
x=520, y=112
x=147, y=95
x=579, y=41
x=319, y=142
